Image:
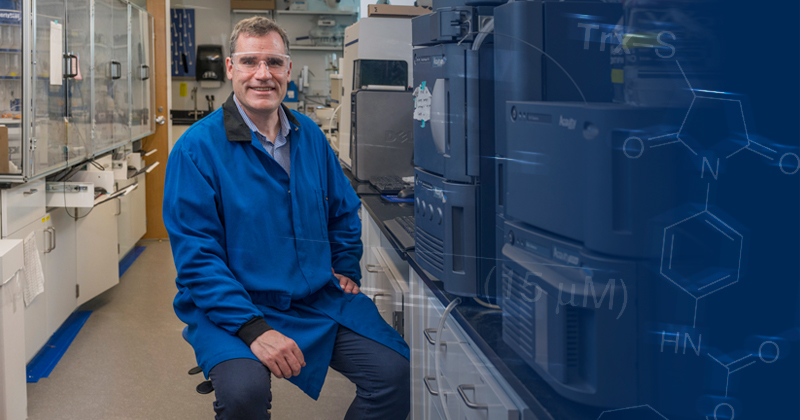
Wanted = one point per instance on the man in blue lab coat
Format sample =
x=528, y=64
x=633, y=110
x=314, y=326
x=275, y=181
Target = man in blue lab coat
x=266, y=239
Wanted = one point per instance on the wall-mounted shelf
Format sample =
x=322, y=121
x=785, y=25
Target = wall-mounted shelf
x=249, y=11
x=312, y=12
x=314, y=48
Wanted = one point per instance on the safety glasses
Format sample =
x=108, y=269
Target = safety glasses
x=248, y=62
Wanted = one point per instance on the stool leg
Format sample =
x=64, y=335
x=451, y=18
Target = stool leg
x=205, y=387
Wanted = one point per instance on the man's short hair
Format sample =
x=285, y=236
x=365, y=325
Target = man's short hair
x=257, y=26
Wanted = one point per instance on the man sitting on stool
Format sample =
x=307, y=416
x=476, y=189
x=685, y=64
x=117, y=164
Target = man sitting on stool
x=268, y=263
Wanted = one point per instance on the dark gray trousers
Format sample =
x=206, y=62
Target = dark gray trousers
x=381, y=375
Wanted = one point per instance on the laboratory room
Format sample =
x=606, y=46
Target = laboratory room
x=409, y=210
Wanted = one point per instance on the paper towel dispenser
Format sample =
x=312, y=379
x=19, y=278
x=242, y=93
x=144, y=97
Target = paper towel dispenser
x=210, y=63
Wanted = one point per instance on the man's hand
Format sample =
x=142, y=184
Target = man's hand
x=349, y=286
x=278, y=353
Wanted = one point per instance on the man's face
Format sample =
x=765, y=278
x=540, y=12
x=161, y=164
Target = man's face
x=260, y=91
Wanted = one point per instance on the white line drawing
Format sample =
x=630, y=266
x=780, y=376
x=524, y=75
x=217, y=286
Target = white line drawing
x=665, y=135
x=727, y=366
x=751, y=145
x=714, y=283
x=664, y=144
x=632, y=408
x=796, y=167
x=625, y=147
x=730, y=407
x=761, y=351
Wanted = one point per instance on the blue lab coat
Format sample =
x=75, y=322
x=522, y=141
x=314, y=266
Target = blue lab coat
x=250, y=241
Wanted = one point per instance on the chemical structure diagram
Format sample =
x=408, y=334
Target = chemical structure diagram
x=705, y=233
x=713, y=278
x=731, y=367
x=722, y=410
x=750, y=144
x=770, y=359
x=726, y=270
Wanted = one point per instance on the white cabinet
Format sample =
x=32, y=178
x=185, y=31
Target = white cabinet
x=96, y=244
x=390, y=291
x=131, y=221
x=414, y=319
x=55, y=239
x=466, y=384
x=22, y=205
x=61, y=269
x=13, y=390
x=79, y=257
x=383, y=277
x=36, y=313
x=370, y=236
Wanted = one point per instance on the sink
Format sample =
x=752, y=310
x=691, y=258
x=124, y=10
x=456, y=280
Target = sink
x=186, y=117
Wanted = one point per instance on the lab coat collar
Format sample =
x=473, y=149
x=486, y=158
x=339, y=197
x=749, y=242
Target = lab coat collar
x=235, y=127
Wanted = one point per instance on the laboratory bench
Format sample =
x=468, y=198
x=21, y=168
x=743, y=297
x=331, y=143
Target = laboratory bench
x=473, y=359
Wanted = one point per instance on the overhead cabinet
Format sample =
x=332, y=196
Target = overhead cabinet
x=48, y=137
x=79, y=88
x=13, y=69
x=124, y=95
x=75, y=82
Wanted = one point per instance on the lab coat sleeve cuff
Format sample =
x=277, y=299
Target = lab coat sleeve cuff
x=252, y=329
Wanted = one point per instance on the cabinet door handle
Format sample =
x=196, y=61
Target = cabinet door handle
x=428, y=337
x=374, y=268
x=380, y=294
x=119, y=207
x=427, y=380
x=469, y=403
x=70, y=71
x=116, y=70
x=55, y=235
x=32, y=191
x=48, y=242
x=145, y=72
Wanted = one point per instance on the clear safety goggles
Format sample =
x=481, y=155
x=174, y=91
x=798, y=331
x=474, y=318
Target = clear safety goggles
x=249, y=62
